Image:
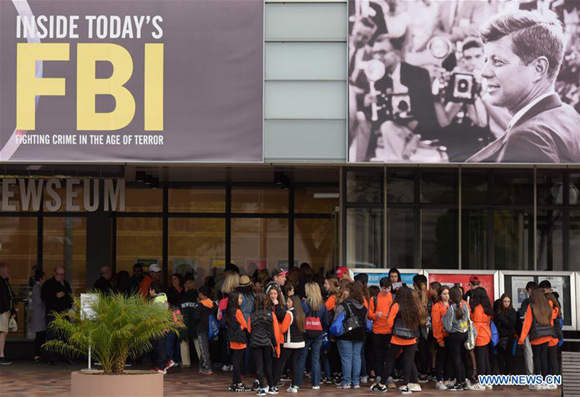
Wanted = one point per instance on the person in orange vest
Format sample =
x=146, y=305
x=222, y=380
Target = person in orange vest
x=481, y=315
x=154, y=275
x=379, y=307
x=441, y=338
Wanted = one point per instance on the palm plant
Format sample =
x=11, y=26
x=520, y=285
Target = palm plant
x=121, y=327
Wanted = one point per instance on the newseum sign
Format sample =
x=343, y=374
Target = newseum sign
x=464, y=81
x=150, y=80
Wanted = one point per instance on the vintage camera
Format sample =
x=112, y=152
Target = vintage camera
x=461, y=87
x=401, y=106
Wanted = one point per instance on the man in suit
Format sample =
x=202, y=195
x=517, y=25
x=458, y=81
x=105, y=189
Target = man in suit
x=524, y=51
x=407, y=83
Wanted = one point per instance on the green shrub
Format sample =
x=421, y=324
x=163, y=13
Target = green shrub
x=123, y=327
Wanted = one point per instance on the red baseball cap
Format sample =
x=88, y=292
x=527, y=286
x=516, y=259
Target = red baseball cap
x=341, y=271
x=474, y=279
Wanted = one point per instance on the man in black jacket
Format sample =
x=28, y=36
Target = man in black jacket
x=56, y=294
x=6, y=309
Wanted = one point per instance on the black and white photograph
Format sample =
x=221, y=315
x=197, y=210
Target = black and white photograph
x=455, y=81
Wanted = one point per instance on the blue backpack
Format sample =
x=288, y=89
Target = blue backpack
x=494, y=334
x=214, y=328
x=336, y=328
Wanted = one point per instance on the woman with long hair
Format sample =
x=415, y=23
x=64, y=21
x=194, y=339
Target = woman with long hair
x=236, y=337
x=330, y=366
x=350, y=344
x=276, y=302
x=458, y=310
x=246, y=288
x=292, y=327
x=405, y=317
x=420, y=284
x=505, y=320
x=262, y=337
x=331, y=290
x=481, y=315
x=442, y=363
x=316, y=314
x=538, y=324
x=553, y=367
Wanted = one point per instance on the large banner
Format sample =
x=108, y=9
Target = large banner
x=494, y=81
x=128, y=80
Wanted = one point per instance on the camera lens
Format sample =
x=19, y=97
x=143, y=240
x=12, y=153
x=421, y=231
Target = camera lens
x=403, y=106
x=462, y=85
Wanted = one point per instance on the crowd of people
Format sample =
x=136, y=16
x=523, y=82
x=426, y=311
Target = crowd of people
x=431, y=103
x=279, y=326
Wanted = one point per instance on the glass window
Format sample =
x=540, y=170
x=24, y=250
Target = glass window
x=400, y=187
x=364, y=237
x=401, y=234
x=574, y=187
x=197, y=200
x=252, y=201
x=65, y=243
x=513, y=240
x=574, y=241
x=312, y=200
x=550, y=187
x=143, y=200
x=474, y=239
x=439, y=238
x=315, y=242
x=259, y=243
x=364, y=186
x=439, y=186
x=474, y=187
x=18, y=247
x=195, y=244
x=549, y=240
x=513, y=187
x=139, y=240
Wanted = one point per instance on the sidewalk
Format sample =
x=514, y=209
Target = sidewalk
x=27, y=379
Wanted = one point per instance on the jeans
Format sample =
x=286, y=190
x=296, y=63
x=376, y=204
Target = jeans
x=315, y=345
x=204, y=360
x=173, y=348
x=350, y=356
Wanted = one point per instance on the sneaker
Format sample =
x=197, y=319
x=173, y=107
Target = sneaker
x=239, y=388
x=170, y=364
x=4, y=361
x=440, y=386
x=405, y=389
x=432, y=378
x=423, y=378
x=225, y=368
x=451, y=382
x=285, y=378
x=343, y=386
x=378, y=388
x=456, y=387
x=477, y=387
x=372, y=378
x=208, y=372
x=160, y=370
x=256, y=386
x=272, y=390
x=490, y=387
x=356, y=386
x=364, y=379
x=391, y=385
x=414, y=387
x=292, y=389
x=261, y=392
x=315, y=387
x=535, y=387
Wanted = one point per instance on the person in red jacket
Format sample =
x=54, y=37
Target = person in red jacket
x=437, y=312
x=481, y=315
x=379, y=307
x=538, y=324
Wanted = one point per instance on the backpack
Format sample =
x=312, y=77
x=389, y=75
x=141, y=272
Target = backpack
x=214, y=328
x=221, y=314
x=336, y=328
x=313, y=325
x=400, y=329
x=537, y=330
x=452, y=324
x=352, y=323
x=471, y=336
x=494, y=334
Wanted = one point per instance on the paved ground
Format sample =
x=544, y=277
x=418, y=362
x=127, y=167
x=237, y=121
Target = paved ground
x=27, y=379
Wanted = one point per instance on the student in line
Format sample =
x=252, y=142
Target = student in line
x=292, y=327
x=420, y=285
x=261, y=327
x=538, y=325
x=457, y=320
x=505, y=320
x=379, y=307
x=553, y=367
x=330, y=356
x=236, y=337
x=405, y=317
x=481, y=315
x=442, y=363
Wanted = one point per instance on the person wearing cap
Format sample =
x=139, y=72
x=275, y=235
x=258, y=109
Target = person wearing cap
x=154, y=275
x=546, y=286
x=473, y=284
x=247, y=290
x=278, y=279
x=340, y=272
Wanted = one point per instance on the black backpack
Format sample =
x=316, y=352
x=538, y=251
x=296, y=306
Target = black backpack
x=352, y=323
x=537, y=330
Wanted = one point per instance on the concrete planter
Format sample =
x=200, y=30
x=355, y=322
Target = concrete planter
x=131, y=383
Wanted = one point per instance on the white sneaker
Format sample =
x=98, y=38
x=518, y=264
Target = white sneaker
x=477, y=387
x=315, y=387
x=292, y=389
x=225, y=368
x=364, y=379
x=489, y=387
x=451, y=382
x=440, y=386
x=414, y=387
x=535, y=387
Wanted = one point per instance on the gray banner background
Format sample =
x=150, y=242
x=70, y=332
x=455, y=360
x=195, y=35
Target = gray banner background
x=212, y=82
